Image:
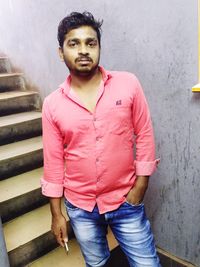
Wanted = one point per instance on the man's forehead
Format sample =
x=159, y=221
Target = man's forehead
x=83, y=32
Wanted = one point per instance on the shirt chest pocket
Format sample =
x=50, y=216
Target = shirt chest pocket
x=119, y=120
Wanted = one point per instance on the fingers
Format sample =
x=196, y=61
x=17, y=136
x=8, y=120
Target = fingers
x=59, y=230
x=64, y=233
x=59, y=239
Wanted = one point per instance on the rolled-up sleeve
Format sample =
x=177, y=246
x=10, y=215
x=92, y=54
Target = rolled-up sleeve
x=145, y=163
x=53, y=175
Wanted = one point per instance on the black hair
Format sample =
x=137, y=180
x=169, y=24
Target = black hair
x=76, y=20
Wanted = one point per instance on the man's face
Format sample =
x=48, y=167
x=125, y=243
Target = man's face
x=81, y=51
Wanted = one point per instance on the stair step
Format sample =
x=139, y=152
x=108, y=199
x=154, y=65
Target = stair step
x=17, y=232
x=28, y=236
x=20, y=126
x=19, y=118
x=20, y=184
x=11, y=81
x=20, y=156
x=5, y=66
x=18, y=101
x=59, y=258
x=20, y=194
x=18, y=148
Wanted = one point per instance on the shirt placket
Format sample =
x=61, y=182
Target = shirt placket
x=97, y=122
x=97, y=148
x=97, y=131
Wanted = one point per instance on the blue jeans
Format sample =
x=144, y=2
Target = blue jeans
x=129, y=226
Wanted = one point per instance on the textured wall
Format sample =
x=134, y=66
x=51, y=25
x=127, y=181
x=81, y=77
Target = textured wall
x=3, y=253
x=157, y=40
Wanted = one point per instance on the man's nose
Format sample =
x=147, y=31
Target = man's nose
x=83, y=49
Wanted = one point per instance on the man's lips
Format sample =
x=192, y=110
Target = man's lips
x=84, y=59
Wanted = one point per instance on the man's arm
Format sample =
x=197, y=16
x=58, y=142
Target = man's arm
x=145, y=162
x=53, y=177
x=59, y=224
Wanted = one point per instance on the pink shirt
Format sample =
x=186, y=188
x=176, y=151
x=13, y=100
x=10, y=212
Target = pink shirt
x=89, y=156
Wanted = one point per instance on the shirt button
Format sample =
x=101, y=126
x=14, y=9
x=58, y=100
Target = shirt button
x=97, y=138
x=97, y=160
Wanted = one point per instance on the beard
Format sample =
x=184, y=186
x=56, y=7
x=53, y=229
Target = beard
x=81, y=69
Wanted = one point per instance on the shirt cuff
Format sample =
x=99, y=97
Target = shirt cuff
x=146, y=168
x=51, y=189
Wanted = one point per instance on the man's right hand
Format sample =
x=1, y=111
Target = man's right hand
x=59, y=229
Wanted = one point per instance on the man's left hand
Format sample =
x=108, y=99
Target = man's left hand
x=136, y=194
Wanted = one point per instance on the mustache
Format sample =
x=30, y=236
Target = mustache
x=83, y=58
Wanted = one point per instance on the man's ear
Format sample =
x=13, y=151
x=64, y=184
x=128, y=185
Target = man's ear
x=60, y=52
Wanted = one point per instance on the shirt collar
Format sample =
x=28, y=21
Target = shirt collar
x=106, y=75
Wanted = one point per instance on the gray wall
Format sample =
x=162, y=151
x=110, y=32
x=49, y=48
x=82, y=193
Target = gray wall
x=157, y=40
x=3, y=252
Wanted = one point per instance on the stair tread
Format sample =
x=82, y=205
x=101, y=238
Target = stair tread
x=59, y=258
x=27, y=227
x=20, y=184
x=2, y=75
x=21, y=147
x=19, y=117
x=15, y=94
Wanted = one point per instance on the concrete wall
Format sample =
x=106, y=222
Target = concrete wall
x=157, y=40
x=3, y=253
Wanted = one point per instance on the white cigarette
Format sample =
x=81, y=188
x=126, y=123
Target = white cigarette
x=66, y=247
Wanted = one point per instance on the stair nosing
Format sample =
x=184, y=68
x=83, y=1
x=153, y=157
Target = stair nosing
x=17, y=115
x=12, y=74
x=8, y=95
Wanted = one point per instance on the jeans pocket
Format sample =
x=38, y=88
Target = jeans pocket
x=134, y=205
x=70, y=206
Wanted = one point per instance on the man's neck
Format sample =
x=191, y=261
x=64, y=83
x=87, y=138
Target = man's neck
x=84, y=82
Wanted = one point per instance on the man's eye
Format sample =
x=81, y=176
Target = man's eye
x=92, y=44
x=72, y=44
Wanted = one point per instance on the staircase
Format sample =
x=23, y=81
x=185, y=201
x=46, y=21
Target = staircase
x=24, y=211
x=23, y=208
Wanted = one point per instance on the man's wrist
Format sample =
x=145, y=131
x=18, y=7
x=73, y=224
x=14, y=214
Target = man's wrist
x=142, y=182
x=55, y=205
x=57, y=215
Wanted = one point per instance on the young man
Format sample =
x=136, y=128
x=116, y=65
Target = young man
x=90, y=125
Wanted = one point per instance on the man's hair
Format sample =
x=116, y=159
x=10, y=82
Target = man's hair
x=76, y=20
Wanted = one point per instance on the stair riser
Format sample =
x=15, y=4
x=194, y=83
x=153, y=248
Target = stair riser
x=17, y=206
x=19, y=104
x=35, y=249
x=12, y=83
x=20, y=131
x=22, y=163
x=5, y=66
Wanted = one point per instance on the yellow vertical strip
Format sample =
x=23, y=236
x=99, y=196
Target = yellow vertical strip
x=199, y=40
x=196, y=88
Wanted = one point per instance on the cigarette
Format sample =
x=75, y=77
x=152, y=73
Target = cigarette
x=66, y=247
